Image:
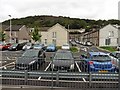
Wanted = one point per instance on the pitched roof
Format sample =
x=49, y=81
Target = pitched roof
x=78, y=30
x=44, y=28
x=14, y=28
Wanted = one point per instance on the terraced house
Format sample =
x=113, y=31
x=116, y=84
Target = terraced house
x=106, y=36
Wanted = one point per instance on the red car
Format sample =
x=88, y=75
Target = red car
x=4, y=46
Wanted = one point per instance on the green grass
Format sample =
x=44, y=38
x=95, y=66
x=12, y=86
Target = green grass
x=111, y=49
x=73, y=49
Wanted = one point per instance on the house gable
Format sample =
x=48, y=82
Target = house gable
x=57, y=25
x=110, y=33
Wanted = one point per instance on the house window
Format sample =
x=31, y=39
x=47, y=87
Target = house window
x=46, y=41
x=107, y=41
x=111, y=33
x=53, y=34
x=54, y=41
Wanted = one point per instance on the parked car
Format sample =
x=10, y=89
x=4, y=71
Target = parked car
x=65, y=46
x=30, y=60
x=88, y=43
x=98, y=62
x=51, y=47
x=63, y=60
x=115, y=57
x=27, y=46
x=16, y=46
x=39, y=46
x=73, y=43
x=118, y=48
x=78, y=42
x=4, y=46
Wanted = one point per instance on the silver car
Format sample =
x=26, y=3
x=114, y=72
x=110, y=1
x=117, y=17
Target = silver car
x=63, y=60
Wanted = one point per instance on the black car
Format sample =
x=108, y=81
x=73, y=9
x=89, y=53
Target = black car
x=30, y=60
x=16, y=46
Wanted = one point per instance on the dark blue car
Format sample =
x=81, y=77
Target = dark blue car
x=98, y=62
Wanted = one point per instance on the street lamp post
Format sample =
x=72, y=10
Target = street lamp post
x=10, y=29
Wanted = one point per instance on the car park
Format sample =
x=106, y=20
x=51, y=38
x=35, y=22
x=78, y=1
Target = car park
x=51, y=47
x=98, y=62
x=66, y=46
x=30, y=60
x=115, y=57
x=63, y=60
x=27, y=46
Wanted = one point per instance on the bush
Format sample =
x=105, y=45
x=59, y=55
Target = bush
x=58, y=47
x=109, y=48
x=74, y=49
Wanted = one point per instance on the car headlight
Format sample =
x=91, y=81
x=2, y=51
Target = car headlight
x=72, y=66
x=14, y=47
x=32, y=62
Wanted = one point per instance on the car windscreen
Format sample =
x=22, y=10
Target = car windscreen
x=28, y=44
x=14, y=45
x=100, y=58
x=30, y=54
x=63, y=56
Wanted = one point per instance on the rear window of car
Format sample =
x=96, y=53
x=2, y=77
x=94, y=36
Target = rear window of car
x=30, y=54
x=100, y=58
x=63, y=56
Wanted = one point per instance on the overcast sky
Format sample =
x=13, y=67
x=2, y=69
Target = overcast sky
x=91, y=9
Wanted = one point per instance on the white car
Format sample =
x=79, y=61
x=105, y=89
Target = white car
x=65, y=46
x=27, y=46
x=118, y=48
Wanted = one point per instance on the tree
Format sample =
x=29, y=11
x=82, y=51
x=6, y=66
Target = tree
x=35, y=34
x=2, y=36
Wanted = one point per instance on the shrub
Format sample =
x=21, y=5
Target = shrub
x=74, y=49
x=58, y=47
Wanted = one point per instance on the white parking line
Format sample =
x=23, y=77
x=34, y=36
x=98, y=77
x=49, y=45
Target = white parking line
x=80, y=71
x=48, y=66
x=8, y=58
x=9, y=63
x=45, y=69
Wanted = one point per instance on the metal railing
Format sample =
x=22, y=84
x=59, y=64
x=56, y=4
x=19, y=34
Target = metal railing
x=56, y=77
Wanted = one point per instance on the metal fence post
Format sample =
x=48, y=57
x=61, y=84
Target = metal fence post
x=90, y=78
x=119, y=75
x=52, y=72
x=26, y=76
x=57, y=78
